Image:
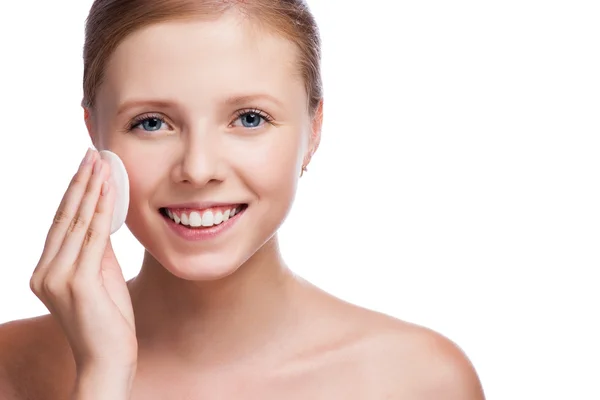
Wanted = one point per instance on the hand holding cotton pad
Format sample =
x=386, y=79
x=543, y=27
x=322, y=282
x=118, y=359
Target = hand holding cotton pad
x=120, y=181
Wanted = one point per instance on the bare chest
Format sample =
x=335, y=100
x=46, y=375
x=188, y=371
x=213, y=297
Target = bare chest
x=314, y=388
x=342, y=381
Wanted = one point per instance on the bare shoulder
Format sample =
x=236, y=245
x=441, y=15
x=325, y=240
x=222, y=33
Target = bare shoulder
x=34, y=359
x=387, y=358
x=415, y=362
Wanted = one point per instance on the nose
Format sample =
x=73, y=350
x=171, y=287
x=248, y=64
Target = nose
x=200, y=161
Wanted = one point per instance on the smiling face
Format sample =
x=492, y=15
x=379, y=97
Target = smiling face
x=211, y=121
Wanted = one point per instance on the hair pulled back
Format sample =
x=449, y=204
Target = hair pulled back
x=110, y=21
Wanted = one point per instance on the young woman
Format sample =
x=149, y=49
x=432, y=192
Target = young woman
x=215, y=108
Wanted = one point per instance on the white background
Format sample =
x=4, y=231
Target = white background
x=457, y=183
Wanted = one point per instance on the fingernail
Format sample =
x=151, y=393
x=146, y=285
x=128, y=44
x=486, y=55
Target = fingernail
x=97, y=166
x=105, y=188
x=87, y=158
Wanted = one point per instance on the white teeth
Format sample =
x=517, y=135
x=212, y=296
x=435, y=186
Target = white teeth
x=218, y=218
x=208, y=218
x=185, y=220
x=195, y=219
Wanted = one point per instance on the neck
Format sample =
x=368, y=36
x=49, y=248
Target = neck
x=218, y=321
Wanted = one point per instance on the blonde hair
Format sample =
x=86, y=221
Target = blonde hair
x=110, y=21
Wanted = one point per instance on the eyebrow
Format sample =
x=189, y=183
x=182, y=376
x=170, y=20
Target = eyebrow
x=241, y=100
x=233, y=101
x=139, y=103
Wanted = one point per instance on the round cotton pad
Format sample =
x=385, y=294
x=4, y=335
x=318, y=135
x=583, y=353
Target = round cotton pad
x=120, y=180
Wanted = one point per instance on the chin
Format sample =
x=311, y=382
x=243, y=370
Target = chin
x=201, y=260
x=200, y=267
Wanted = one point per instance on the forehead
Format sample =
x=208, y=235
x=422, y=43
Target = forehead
x=198, y=61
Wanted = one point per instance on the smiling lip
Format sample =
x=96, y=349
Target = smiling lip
x=202, y=233
x=200, y=206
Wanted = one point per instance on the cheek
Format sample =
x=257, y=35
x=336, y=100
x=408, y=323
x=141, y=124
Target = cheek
x=144, y=176
x=271, y=167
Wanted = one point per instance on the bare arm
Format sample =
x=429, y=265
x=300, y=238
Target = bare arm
x=103, y=384
x=80, y=281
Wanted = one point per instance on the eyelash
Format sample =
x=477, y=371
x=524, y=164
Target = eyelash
x=141, y=118
x=238, y=114
x=268, y=119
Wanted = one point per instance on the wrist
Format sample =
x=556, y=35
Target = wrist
x=104, y=382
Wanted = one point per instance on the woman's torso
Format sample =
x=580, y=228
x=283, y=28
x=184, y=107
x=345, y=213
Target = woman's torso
x=364, y=356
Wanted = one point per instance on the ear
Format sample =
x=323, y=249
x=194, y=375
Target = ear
x=89, y=124
x=315, y=134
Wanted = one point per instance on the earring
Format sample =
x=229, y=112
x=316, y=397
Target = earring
x=303, y=170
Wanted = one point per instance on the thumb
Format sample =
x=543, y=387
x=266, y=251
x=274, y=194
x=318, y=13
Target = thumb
x=109, y=259
x=114, y=282
x=109, y=252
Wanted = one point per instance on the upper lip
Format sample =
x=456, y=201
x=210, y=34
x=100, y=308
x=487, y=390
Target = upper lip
x=201, y=205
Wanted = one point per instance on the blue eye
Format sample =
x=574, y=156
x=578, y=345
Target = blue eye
x=251, y=120
x=149, y=123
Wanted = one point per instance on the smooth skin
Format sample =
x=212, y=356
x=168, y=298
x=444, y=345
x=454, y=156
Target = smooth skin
x=80, y=281
x=219, y=319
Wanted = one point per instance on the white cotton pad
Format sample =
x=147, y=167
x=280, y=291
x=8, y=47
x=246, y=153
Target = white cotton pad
x=120, y=180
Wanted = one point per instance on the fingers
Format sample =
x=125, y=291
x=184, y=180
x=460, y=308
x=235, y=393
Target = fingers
x=79, y=227
x=97, y=240
x=67, y=208
x=70, y=227
x=68, y=279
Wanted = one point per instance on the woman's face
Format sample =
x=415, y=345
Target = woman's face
x=211, y=122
